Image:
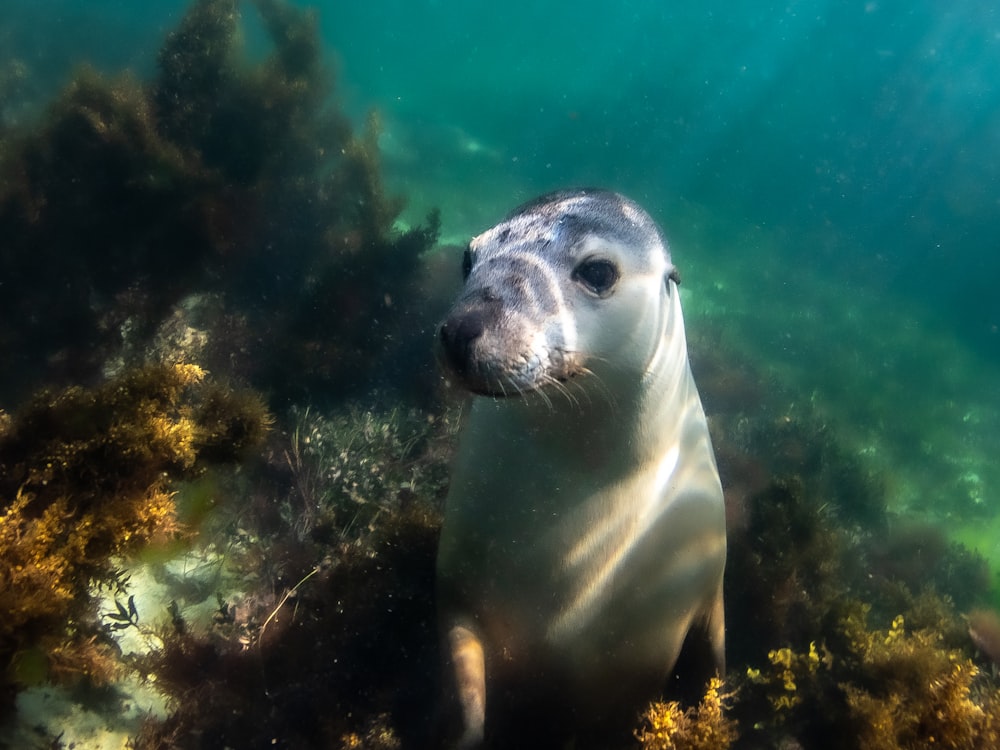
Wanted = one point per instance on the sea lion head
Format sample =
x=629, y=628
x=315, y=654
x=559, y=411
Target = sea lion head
x=571, y=284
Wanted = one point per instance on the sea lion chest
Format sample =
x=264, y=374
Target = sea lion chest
x=558, y=536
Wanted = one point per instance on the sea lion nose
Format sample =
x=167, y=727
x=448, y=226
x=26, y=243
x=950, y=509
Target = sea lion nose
x=458, y=334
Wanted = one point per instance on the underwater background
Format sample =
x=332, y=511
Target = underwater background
x=214, y=185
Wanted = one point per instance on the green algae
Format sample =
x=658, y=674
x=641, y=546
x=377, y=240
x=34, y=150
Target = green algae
x=983, y=536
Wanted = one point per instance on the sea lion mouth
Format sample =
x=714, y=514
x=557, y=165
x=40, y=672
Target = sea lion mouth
x=512, y=390
x=486, y=372
x=496, y=393
x=501, y=383
x=488, y=356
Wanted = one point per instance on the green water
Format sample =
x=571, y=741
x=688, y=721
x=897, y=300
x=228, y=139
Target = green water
x=827, y=174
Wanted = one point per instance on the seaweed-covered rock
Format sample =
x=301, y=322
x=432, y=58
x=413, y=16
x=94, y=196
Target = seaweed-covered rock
x=333, y=642
x=85, y=477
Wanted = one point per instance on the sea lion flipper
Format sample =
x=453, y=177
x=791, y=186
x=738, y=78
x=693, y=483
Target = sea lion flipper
x=469, y=664
x=715, y=632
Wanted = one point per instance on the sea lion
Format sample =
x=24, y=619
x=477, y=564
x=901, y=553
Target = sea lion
x=584, y=535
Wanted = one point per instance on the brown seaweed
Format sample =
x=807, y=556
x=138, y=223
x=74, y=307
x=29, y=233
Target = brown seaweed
x=85, y=478
x=222, y=176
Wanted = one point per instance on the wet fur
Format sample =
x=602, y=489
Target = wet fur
x=584, y=535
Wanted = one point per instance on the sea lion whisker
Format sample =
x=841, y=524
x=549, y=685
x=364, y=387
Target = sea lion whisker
x=601, y=388
x=544, y=396
x=562, y=388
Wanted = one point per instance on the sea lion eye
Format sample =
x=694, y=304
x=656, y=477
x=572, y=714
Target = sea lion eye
x=599, y=276
x=467, y=263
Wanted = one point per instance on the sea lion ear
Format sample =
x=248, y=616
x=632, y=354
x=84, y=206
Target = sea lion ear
x=673, y=275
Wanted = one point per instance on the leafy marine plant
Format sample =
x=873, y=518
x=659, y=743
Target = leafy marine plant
x=378, y=735
x=79, y=251
x=668, y=726
x=357, y=464
x=333, y=642
x=222, y=175
x=15, y=81
x=913, y=691
x=230, y=198
x=897, y=688
x=312, y=258
x=86, y=477
x=789, y=670
x=795, y=556
x=849, y=633
x=827, y=678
